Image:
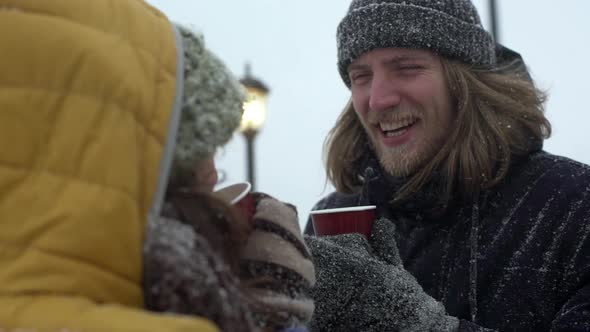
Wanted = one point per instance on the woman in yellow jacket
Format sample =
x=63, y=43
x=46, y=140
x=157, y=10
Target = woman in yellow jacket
x=90, y=99
x=205, y=258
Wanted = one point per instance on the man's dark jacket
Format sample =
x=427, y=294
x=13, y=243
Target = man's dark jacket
x=515, y=258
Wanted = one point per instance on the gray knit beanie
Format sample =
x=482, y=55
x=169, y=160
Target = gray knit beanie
x=211, y=104
x=451, y=28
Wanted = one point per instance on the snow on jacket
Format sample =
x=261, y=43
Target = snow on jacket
x=88, y=100
x=515, y=258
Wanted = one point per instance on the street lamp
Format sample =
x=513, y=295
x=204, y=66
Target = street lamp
x=253, y=117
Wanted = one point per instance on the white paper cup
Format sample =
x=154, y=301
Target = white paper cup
x=238, y=195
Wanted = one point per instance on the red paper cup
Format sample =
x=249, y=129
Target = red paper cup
x=354, y=219
x=238, y=195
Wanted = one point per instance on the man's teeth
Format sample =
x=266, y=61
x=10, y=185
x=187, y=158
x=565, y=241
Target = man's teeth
x=395, y=133
x=389, y=127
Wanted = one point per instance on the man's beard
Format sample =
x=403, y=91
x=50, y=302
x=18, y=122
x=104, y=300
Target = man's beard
x=404, y=160
x=400, y=161
x=397, y=162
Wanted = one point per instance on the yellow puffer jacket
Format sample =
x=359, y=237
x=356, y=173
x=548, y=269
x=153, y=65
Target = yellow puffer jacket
x=88, y=109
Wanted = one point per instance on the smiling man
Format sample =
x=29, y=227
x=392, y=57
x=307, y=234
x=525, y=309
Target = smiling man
x=402, y=100
x=477, y=227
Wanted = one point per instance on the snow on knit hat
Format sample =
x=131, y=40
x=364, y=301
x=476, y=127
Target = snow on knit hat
x=211, y=104
x=451, y=28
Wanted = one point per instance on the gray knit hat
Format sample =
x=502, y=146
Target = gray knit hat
x=451, y=28
x=211, y=104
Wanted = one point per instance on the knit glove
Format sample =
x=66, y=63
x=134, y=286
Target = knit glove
x=364, y=288
x=278, y=263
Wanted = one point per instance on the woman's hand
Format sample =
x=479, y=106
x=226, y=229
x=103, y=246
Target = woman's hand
x=278, y=262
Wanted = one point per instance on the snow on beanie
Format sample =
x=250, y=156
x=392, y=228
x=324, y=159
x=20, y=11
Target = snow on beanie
x=211, y=104
x=451, y=28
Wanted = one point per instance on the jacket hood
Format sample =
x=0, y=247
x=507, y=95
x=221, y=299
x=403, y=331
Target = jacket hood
x=511, y=61
x=88, y=119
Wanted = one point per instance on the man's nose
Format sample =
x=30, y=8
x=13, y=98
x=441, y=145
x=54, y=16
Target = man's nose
x=385, y=94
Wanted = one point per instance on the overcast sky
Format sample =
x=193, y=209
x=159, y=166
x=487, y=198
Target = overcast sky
x=291, y=47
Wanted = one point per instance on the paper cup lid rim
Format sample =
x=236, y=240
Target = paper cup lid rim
x=241, y=195
x=345, y=209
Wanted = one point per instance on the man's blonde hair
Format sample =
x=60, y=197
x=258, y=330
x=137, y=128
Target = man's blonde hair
x=500, y=117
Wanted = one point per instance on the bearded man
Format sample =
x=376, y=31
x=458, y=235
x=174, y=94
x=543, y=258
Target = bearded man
x=477, y=227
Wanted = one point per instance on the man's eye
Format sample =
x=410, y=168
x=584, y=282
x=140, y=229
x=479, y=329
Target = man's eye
x=411, y=67
x=359, y=78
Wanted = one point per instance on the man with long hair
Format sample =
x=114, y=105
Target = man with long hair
x=477, y=227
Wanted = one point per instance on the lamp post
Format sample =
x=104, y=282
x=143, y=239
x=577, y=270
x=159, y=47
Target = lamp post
x=253, y=117
x=494, y=20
